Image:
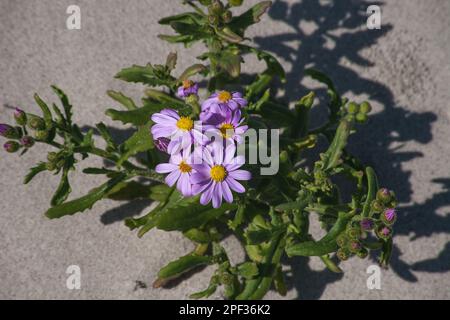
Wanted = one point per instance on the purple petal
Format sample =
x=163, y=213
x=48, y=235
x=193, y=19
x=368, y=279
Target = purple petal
x=227, y=195
x=184, y=185
x=240, y=175
x=217, y=153
x=163, y=119
x=170, y=112
x=197, y=178
x=165, y=167
x=207, y=194
x=172, y=177
x=162, y=131
x=234, y=185
x=217, y=195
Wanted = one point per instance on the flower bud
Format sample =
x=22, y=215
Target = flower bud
x=353, y=233
x=52, y=156
x=361, y=117
x=50, y=166
x=342, y=240
x=162, y=144
x=365, y=107
x=36, y=123
x=216, y=7
x=389, y=216
x=352, y=108
x=27, y=141
x=235, y=3
x=384, y=195
x=41, y=135
x=11, y=146
x=213, y=19
x=354, y=246
x=377, y=206
x=342, y=254
x=9, y=132
x=226, y=278
x=20, y=116
x=363, y=253
x=367, y=224
x=384, y=232
x=227, y=16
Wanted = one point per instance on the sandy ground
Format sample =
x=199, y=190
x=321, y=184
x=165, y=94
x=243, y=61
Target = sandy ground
x=403, y=69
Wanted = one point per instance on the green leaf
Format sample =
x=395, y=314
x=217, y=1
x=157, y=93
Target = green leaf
x=143, y=74
x=182, y=265
x=137, y=117
x=205, y=293
x=129, y=190
x=34, y=171
x=106, y=135
x=140, y=141
x=165, y=99
x=187, y=215
x=248, y=270
x=65, y=102
x=198, y=236
x=372, y=188
x=228, y=35
x=186, y=39
x=188, y=17
x=64, y=189
x=325, y=245
x=258, y=236
x=127, y=102
x=231, y=63
x=321, y=77
x=85, y=202
x=47, y=115
x=332, y=156
x=240, y=23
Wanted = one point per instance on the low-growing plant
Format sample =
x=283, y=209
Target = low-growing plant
x=190, y=169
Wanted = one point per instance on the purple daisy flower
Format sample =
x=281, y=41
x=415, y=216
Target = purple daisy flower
x=188, y=88
x=230, y=128
x=221, y=103
x=180, y=170
x=218, y=174
x=182, y=131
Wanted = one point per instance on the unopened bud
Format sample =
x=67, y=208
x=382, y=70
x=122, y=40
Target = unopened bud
x=353, y=232
x=20, y=116
x=227, y=16
x=11, y=146
x=162, y=144
x=377, y=206
x=41, y=135
x=367, y=224
x=342, y=254
x=27, y=141
x=50, y=166
x=354, y=246
x=361, y=117
x=384, y=195
x=384, y=232
x=216, y=7
x=36, y=123
x=365, y=107
x=342, y=240
x=9, y=132
x=352, y=108
x=213, y=19
x=52, y=156
x=389, y=216
x=363, y=253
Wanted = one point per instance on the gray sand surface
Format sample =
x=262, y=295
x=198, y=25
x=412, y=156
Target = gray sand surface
x=403, y=69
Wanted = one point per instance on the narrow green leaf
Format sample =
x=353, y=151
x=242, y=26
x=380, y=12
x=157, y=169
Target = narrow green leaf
x=332, y=156
x=251, y=16
x=64, y=189
x=372, y=188
x=85, y=202
x=65, y=102
x=191, y=71
x=140, y=141
x=47, y=115
x=34, y=171
x=106, y=135
x=127, y=102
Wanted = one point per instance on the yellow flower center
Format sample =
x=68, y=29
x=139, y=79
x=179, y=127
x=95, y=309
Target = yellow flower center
x=184, y=167
x=185, y=123
x=226, y=130
x=224, y=96
x=218, y=173
x=187, y=84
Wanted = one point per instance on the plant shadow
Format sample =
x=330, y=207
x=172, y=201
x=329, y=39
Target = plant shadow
x=335, y=32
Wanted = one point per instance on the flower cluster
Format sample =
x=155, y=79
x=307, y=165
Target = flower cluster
x=203, y=153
